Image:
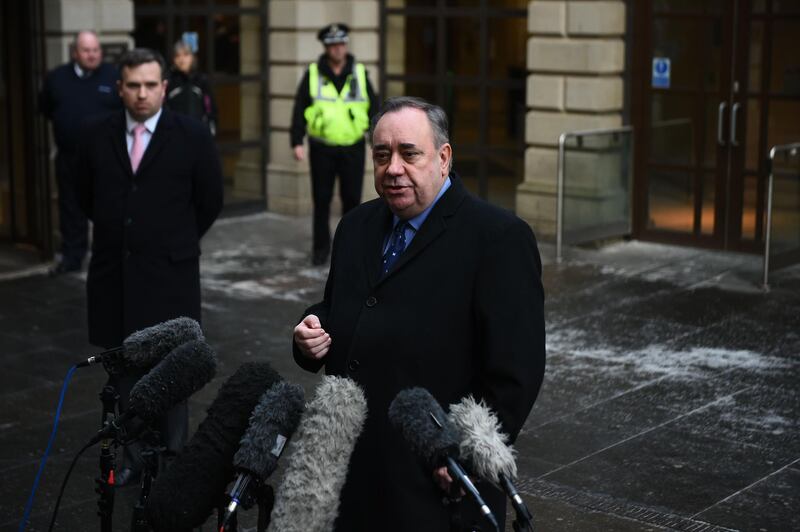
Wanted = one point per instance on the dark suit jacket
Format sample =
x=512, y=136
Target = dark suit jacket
x=461, y=313
x=147, y=227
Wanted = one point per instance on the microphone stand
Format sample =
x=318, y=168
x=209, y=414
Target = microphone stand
x=151, y=455
x=108, y=452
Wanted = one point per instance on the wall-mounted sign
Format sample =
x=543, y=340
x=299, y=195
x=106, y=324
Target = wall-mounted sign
x=192, y=40
x=661, y=72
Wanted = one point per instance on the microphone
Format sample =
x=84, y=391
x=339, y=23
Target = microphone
x=425, y=427
x=144, y=348
x=182, y=372
x=486, y=449
x=183, y=496
x=273, y=422
x=308, y=497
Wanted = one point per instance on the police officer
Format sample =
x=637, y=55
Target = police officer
x=333, y=104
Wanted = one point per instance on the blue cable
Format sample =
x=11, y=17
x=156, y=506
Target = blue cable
x=29, y=504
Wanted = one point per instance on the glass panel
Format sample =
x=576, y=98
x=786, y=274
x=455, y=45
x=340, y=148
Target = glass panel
x=226, y=44
x=507, y=41
x=426, y=91
x=752, y=137
x=410, y=45
x=710, y=144
x=151, y=32
x=670, y=200
x=597, y=187
x=463, y=46
x=409, y=3
x=756, y=56
x=243, y=175
x=783, y=126
x=693, y=46
x=785, y=6
x=240, y=111
x=688, y=6
x=676, y=39
x=785, y=59
x=707, y=214
x=673, y=128
x=506, y=118
x=749, y=202
x=786, y=202
x=463, y=110
x=759, y=6
x=196, y=24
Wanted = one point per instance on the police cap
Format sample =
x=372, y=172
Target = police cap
x=334, y=34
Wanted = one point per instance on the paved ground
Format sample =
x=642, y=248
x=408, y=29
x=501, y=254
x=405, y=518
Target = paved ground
x=670, y=402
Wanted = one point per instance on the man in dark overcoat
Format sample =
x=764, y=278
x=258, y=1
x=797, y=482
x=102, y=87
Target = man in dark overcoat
x=432, y=287
x=151, y=183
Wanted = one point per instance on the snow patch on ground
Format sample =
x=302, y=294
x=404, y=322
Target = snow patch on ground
x=655, y=359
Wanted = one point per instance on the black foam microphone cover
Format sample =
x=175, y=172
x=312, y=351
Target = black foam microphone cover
x=184, y=371
x=146, y=347
x=184, y=495
x=424, y=425
x=272, y=423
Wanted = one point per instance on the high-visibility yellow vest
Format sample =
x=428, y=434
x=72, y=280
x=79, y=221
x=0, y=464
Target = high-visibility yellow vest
x=337, y=118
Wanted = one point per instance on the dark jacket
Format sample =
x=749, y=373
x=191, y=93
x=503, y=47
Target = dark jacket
x=190, y=94
x=460, y=313
x=68, y=100
x=147, y=227
x=302, y=98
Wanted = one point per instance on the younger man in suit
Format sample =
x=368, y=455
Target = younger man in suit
x=151, y=182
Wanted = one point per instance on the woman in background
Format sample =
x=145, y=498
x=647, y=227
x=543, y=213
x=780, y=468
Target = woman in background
x=188, y=91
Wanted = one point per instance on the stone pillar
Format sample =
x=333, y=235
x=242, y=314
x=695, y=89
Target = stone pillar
x=293, y=45
x=576, y=58
x=247, y=178
x=111, y=19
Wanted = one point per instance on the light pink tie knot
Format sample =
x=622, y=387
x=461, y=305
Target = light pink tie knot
x=137, y=148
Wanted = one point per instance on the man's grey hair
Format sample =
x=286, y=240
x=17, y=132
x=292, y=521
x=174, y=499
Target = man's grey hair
x=437, y=118
x=181, y=45
x=140, y=56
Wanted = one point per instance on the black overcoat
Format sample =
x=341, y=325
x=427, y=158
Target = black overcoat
x=460, y=313
x=147, y=227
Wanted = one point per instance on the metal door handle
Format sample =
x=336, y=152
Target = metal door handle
x=734, y=113
x=720, y=120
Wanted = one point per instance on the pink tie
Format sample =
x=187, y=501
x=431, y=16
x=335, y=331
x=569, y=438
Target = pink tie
x=137, y=149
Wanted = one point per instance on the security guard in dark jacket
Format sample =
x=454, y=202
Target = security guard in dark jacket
x=333, y=105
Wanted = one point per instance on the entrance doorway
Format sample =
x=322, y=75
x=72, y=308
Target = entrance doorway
x=468, y=56
x=25, y=202
x=718, y=84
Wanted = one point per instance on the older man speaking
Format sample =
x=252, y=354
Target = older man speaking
x=432, y=287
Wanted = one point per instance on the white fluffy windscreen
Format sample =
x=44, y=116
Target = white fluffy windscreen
x=482, y=443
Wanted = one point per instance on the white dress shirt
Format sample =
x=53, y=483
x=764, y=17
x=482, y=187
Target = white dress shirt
x=149, y=125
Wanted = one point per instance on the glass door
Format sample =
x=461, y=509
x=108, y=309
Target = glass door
x=720, y=87
x=467, y=56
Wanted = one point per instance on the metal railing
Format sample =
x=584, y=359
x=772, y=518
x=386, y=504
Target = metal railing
x=580, y=136
x=792, y=150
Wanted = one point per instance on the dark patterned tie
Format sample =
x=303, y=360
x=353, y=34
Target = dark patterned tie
x=396, y=247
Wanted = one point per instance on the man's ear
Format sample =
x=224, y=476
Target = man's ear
x=445, y=155
x=119, y=87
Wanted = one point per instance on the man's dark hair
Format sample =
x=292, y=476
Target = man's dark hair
x=436, y=116
x=140, y=56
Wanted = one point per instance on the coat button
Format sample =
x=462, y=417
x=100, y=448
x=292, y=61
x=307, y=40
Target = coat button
x=134, y=188
x=371, y=301
x=128, y=221
x=353, y=365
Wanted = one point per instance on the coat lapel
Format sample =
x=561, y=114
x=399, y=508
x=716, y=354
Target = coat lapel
x=158, y=140
x=433, y=227
x=118, y=141
x=376, y=229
